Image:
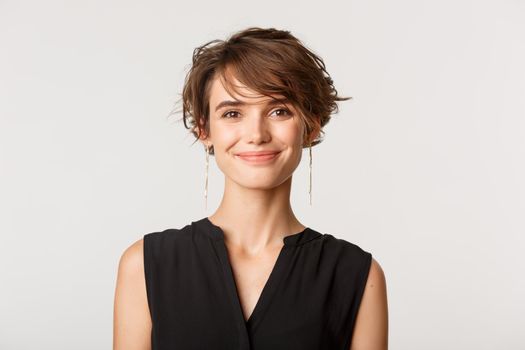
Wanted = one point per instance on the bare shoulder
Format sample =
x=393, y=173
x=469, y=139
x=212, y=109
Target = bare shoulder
x=371, y=326
x=132, y=259
x=376, y=277
x=131, y=317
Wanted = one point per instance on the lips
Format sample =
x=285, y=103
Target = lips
x=260, y=157
x=257, y=154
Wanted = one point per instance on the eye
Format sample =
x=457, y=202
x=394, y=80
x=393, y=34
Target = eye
x=225, y=115
x=285, y=110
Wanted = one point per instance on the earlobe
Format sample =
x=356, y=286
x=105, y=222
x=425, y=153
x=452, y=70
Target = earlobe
x=203, y=136
x=200, y=127
x=310, y=138
x=311, y=133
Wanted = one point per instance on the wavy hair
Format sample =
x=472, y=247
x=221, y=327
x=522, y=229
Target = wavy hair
x=268, y=61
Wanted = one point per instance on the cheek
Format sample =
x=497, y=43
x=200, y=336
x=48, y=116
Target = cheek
x=291, y=135
x=223, y=135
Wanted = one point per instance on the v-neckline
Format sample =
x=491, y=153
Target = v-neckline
x=270, y=285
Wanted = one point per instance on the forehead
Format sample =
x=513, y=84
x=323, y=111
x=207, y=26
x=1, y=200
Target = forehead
x=238, y=91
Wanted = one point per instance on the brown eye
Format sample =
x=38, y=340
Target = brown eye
x=286, y=112
x=225, y=115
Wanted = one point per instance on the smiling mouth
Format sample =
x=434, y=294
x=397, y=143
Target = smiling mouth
x=256, y=158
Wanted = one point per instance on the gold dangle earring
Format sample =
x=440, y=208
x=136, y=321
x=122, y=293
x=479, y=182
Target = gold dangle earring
x=206, y=183
x=310, y=186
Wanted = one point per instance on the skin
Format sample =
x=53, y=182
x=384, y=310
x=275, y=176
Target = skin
x=255, y=214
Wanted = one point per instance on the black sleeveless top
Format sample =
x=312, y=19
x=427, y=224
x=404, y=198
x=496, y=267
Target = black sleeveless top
x=310, y=300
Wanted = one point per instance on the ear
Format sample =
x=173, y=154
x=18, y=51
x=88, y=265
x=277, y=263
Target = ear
x=204, y=138
x=313, y=135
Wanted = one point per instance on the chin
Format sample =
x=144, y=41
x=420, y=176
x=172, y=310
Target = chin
x=265, y=181
x=258, y=185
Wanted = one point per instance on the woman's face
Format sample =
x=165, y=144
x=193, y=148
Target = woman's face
x=250, y=124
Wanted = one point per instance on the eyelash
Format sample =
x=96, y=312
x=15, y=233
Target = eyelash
x=279, y=109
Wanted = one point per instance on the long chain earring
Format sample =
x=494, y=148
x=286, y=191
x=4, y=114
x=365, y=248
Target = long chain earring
x=310, y=186
x=206, y=184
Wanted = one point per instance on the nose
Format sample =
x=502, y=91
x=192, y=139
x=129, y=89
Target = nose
x=257, y=128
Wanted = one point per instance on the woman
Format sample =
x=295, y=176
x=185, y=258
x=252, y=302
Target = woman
x=252, y=276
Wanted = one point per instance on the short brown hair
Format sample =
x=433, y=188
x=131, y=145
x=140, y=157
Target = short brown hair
x=268, y=61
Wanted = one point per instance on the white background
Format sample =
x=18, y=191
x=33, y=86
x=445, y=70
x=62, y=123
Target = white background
x=424, y=168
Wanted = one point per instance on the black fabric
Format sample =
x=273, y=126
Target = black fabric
x=310, y=300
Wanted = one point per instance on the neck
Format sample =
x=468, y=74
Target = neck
x=254, y=219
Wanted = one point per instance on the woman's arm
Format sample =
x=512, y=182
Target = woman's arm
x=371, y=327
x=131, y=317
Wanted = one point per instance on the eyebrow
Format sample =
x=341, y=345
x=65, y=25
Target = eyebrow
x=237, y=103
